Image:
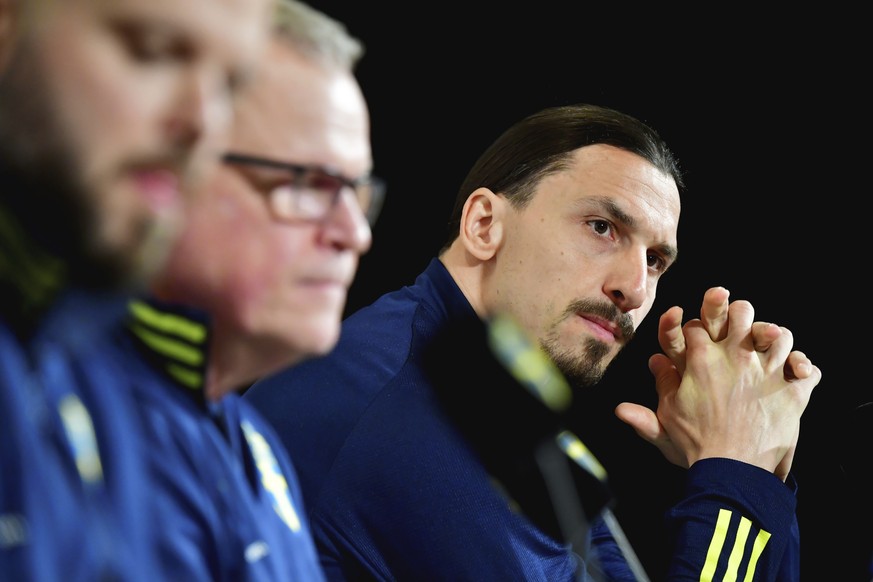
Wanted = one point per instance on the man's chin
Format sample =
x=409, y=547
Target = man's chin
x=153, y=253
x=318, y=339
x=126, y=268
x=583, y=370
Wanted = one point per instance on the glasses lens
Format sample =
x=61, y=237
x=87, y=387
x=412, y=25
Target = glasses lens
x=311, y=195
x=297, y=192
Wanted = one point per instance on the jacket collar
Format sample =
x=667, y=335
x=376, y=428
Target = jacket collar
x=175, y=340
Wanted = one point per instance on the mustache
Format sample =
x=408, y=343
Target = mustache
x=605, y=310
x=184, y=163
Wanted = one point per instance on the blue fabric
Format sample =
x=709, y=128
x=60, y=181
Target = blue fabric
x=230, y=505
x=395, y=493
x=74, y=492
x=749, y=504
x=394, y=490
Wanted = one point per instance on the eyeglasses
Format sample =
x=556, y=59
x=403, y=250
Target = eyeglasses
x=307, y=193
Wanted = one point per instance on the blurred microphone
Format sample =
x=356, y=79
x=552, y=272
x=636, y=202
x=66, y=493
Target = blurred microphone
x=509, y=400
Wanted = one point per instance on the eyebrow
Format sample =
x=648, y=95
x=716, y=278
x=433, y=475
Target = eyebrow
x=619, y=215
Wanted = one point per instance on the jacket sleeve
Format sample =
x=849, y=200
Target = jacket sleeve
x=735, y=522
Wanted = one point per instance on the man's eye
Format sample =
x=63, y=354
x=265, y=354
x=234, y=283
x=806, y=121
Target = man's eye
x=321, y=181
x=147, y=44
x=601, y=227
x=282, y=199
x=657, y=262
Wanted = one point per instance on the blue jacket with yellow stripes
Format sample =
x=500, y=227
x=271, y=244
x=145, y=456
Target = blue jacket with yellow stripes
x=229, y=506
x=396, y=491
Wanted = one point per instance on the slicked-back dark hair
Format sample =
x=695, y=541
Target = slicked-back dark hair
x=543, y=144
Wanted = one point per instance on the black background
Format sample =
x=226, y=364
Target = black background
x=768, y=115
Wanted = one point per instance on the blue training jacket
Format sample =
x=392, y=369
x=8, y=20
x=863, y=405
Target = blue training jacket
x=74, y=487
x=229, y=506
x=74, y=490
x=395, y=492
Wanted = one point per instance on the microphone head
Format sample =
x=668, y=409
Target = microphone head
x=480, y=388
x=527, y=363
x=508, y=400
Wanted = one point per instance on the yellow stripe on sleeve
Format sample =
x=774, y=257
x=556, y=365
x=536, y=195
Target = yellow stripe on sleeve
x=715, y=545
x=736, y=556
x=757, y=549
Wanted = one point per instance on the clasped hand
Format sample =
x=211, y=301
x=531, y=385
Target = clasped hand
x=727, y=387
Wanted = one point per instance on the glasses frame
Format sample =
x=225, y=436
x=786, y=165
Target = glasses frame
x=376, y=184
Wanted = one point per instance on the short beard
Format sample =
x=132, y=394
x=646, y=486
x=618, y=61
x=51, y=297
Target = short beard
x=585, y=365
x=580, y=370
x=41, y=184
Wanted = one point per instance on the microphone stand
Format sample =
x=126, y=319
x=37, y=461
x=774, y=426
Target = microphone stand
x=555, y=457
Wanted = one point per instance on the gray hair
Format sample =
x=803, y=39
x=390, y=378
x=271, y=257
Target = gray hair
x=316, y=34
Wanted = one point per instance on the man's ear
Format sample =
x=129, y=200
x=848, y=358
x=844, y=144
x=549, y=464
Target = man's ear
x=481, y=229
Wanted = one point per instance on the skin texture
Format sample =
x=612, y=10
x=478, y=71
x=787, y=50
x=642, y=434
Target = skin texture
x=769, y=342
x=601, y=234
x=133, y=98
x=602, y=239
x=276, y=290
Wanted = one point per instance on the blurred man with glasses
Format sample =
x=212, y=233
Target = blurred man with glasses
x=257, y=282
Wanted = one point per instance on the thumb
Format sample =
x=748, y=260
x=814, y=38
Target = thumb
x=641, y=419
x=667, y=376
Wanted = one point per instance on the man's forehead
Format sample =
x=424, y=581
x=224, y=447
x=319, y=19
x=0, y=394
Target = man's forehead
x=196, y=15
x=621, y=184
x=193, y=15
